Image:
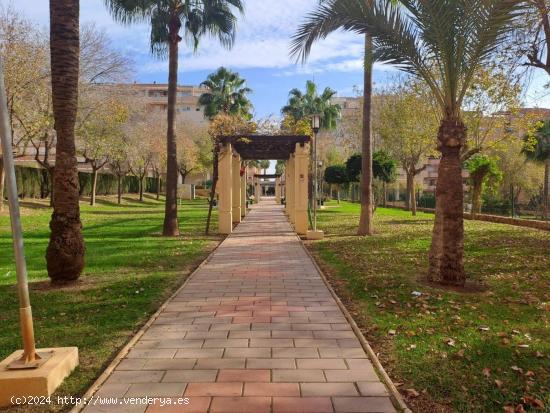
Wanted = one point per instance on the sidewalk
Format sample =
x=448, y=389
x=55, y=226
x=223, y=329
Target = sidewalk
x=255, y=330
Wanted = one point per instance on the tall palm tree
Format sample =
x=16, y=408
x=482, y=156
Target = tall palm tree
x=227, y=93
x=167, y=18
x=316, y=28
x=537, y=149
x=65, y=252
x=442, y=42
x=301, y=105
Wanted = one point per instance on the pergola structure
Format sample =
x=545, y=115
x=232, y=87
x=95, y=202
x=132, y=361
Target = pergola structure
x=278, y=186
x=293, y=149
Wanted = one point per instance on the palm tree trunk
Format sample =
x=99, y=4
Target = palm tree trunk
x=50, y=178
x=65, y=253
x=1, y=183
x=171, y=225
x=94, y=187
x=447, y=250
x=365, y=220
x=119, y=189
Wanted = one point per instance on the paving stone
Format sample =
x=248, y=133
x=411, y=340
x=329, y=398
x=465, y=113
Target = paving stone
x=363, y=405
x=241, y=405
x=298, y=376
x=302, y=405
x=214, y=389
x=328, y=389
x=272, y=389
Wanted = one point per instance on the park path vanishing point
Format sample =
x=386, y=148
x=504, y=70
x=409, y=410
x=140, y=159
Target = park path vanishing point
x=254, y=330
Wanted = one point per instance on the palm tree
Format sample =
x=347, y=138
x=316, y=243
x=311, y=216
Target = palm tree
x=65, y=253
x=302, y=105
x=167, y=18
x=264, y=164
x=227, y=94
x=315, y=28
x=442, y=42
x=537, y=149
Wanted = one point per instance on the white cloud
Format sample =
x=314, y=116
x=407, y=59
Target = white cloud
x=262, y=41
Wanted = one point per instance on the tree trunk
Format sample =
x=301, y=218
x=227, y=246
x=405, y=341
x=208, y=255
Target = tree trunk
x=119, y=189
x=447, y=250
x=410, y=179
x=1, y=183
x=412, y=197
x=171, y=225
x=158, y=186
x=338, y=193
x=94, y=187
x=477, y=187
x=365, y=221
x=385, y=188
x=65, y=253
x=141, y=179
x=546, y=200
x=212, y=190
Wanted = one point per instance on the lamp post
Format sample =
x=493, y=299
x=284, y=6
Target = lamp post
x=315, y=126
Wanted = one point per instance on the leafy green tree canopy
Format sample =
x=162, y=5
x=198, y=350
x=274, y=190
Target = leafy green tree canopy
x=383, y=165
x=336, y=174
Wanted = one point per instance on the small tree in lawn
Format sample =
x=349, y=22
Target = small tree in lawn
x=196, y=151
x=482, y=170
x=408, y=126
x=99, y=129
x=384, y=168
x=157, y=139
x=119, y=166
x=139, y=152
x=336, y=175
x=353, y=170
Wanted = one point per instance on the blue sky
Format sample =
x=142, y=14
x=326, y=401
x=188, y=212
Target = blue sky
x=260, y=53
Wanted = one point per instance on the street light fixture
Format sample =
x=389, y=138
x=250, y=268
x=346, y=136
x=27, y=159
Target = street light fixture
x=316, y=126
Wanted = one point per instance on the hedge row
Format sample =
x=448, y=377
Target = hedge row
x=35, y=183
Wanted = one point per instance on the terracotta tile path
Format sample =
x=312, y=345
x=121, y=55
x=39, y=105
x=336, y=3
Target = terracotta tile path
x=255, y=330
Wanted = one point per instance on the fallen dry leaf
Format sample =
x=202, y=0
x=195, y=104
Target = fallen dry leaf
x=486, y=372
x=412, y=393
x=498, y=383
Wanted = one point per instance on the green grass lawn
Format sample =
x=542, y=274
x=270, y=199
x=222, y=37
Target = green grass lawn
x=461, y=351
x=130, y=270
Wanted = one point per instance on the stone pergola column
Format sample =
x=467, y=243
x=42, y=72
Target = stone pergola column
x=278, y=190
x=301, y=193
x=225, y=193
x=290, y=189
x=236, y=188
x=244, y=194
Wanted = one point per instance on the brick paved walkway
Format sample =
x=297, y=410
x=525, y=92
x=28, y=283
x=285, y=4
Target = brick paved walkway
x=255, y=330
